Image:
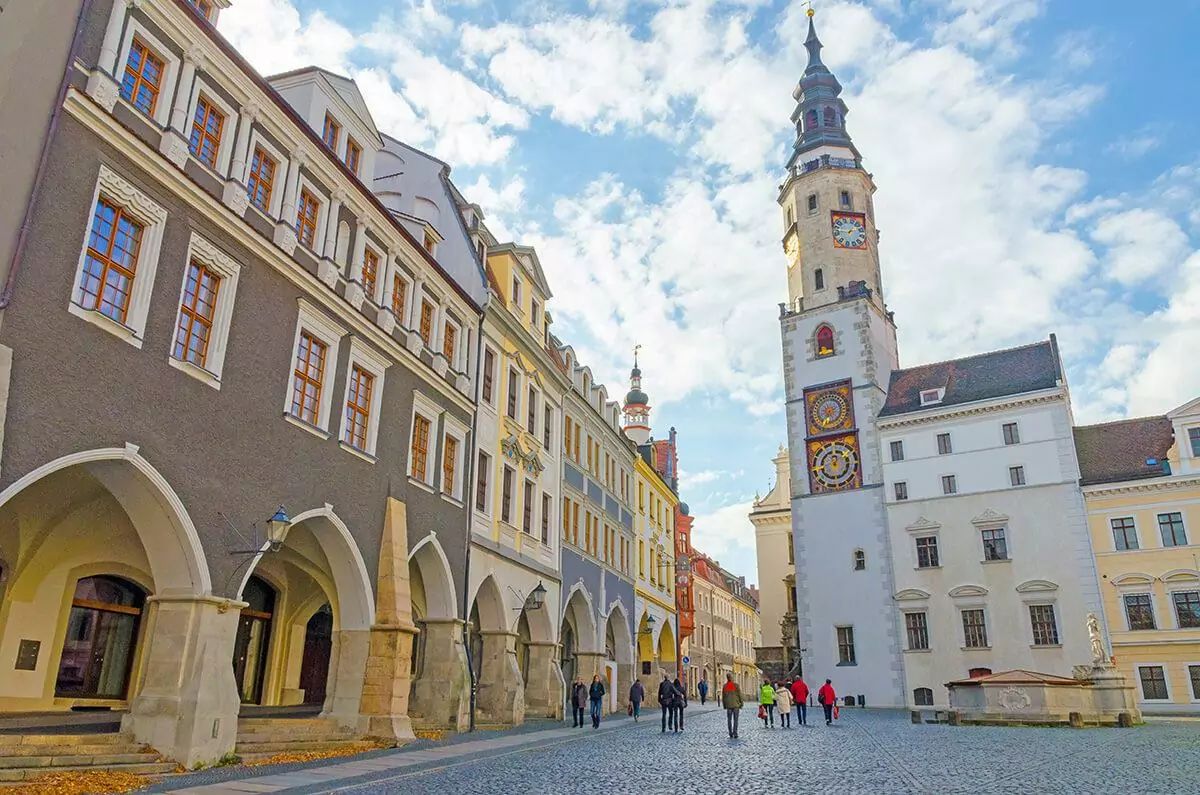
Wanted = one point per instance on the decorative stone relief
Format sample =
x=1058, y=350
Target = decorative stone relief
x=440, y=363
x=103, y=89
x=1015, y=699
x=529, y=461
x=414, y=343
x=385, y=319
x=285, y=238
x=174, y=148
x=235, y=197
x=355, y=294
x=328, y=273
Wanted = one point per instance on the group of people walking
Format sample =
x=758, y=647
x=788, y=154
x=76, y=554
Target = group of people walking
x=672, y=698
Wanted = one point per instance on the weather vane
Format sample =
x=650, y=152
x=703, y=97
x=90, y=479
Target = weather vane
x=808, y=4
x=636, y=348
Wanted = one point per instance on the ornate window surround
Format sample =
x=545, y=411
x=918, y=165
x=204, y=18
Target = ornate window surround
x=203, y=251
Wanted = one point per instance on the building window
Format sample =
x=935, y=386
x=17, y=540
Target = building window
x=358, y=407
x=1187, y=608
x=419, y=450
x=1016, y=476
x=331, y=132
x=974, y=629
x=844, y=196
x=428, y=242
x=1194, y=678
x=308, y=378
x=261, y=180
x=534, y=309
x=1139, y=611
x=819, y=279
x=531, y=411
x=196, y=311
x=449, y=341
x=143, y=78
x=506, y=488
x=845, y=638
x=1124, y=533
x=547, y=426
x=353, y=155
x=1011, y=434
x=110, y=261
x=1154, y=682
x=812, y=199
x=901, y=488
x=399, y=296
x=306, y=219
x=206, y=132
x=1170, y=525
x=370, y=272
x=545, y=518
x=489, y=373
x=860, y=559
x=1194, y=438
x=949, y=484
x=450, y=465
x=482, y=469
x=923, y=697
x=897, y=449
x=824, y=339
x=511, y=407
x=927, y=552
x=516, y=293
x=918, y=631
x=943, y=444
x=1045, y=628
x=203, y=7
x=995, y=547
x=425, y=327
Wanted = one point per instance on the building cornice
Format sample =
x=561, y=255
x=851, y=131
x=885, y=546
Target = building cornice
x=1170, y=483
x=938, y=414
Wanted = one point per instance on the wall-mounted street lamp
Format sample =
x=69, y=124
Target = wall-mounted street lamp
x=278, y=526
x=536, y=599
x=649, y=630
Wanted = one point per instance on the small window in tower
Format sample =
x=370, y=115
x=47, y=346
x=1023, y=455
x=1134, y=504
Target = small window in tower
x=825, y=341
x=846, y=199
x=812, y=203
x=810, y=120
x=831, y=117
x=791, y=219
x=860, y=560
x=819, y=279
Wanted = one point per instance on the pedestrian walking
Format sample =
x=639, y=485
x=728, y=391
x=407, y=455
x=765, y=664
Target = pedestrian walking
x=732, y=701
x=703, y=690
x=596, y=695
x=783, y=702
x=800, y=696
x=678, y=702
x=766, y=698
x=666, y=695
x=637, y=694
x=827, y=699
x=579, y=700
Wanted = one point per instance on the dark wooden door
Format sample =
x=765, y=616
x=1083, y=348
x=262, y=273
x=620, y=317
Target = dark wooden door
x=318, y=644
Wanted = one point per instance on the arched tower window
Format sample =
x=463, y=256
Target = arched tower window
x=860, y=560
x=810, y=120
x=923, y=697
x=831, y=116
x=824, y=341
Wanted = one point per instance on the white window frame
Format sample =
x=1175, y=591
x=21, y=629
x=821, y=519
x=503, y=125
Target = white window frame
x=1137, y=533
x=1017, y=426
x=1148, y=592
x=153, y=218
x=937, y=544
x=895, y=491
x=936, y=398
x=376, y=364
x=456, y=430
x=432, y=412
x=493, y=401
x=1015, y=470
x=460, y=344
x=313, y=320
x=409, y=291
x=201, y=85
x=518, y=288
x=380, y=273
x=1041, y=601
x=279, y=187
x=204, y=252
x=954, y=483
x=171, y=69
x=1171, y=591
x=304, y=183
x=1193, y=696
x=1137, y=676
x=987, y=626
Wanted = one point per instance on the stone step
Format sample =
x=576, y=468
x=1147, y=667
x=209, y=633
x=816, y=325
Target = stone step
x=246, y=749
x=259, y=755
x=78, y=760
x=287, y=736
x=143, y=768
x=293, y=724
x=109, y=738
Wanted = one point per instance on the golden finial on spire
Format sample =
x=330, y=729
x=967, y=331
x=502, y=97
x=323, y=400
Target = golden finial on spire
x=810, y=10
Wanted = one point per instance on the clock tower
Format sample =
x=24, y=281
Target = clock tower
x=839, y=349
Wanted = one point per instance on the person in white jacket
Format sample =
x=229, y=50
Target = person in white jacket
x=783, y=703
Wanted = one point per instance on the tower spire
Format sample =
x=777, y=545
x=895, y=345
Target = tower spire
x=637, y=405
x=820, y=114
x=813, y=45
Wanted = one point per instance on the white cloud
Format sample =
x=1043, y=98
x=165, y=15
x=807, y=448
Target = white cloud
x=1076, y=50
x=499, y=204
x=271, y=34
x=985, y=24
x=1136, y=144
x=726, y=535
x=1141, y=243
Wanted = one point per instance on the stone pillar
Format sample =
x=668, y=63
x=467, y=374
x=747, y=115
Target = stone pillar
x=328, y=270
x=355, y=292
x=174, y=143
x=589, y=664
x=285, y=230
x=383, y=708
x=441, y=696
x=545, y=692
x=187, y=702
x=102, y=84
x=500, y=696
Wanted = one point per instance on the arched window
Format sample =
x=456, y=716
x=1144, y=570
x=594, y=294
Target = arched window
x=975, y=673
x=824, y=340
x=923, y=697
x=831, y=116
x=860, y=560
x=819, y=279
x=810, y=120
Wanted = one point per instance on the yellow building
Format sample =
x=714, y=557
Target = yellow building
x=1141, y=487
x=654, y=588
x=747, y=630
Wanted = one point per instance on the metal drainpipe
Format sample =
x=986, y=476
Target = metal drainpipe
x=35, y=191
x=470, y=469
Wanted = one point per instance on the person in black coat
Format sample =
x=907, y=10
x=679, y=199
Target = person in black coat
x=678, y=702
x=596, y=695
x=666, y=695
x=579, y=699
x=637, y=694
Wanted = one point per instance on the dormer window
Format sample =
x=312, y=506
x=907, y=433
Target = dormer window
x=824, y=341
x=930, y=397
x=353, y=155
x=203, y=7
x=534, y=308
x=429, y=242
x=516, y=292
x=1194, y=440
x=331, y=133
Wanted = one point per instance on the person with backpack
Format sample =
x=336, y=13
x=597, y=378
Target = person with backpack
x=828, y=700
x=800, y=696
x=666, y=695
x=766, y=700
x=596, y=696
x=732, y=702
x=678, y=702
x=579, y=700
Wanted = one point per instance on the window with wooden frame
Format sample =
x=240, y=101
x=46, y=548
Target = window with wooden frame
x=196, y=310
x=546, y=511
x=547, y=426
x=483, y=469
x=419, y=450
x=449, y=464
x=110, y=262
x=506, y=487
x=207, y=126
x=370, y=272
x=531, y=407
x=358, y=407
x=306, y=218
x=489, y=374
x=527, y=508
x=425, y=329
x=399, y=296
x=353, y=155
x=308, y=377
x=449, y=340
x=428, y=242
x=261, y=181
x=514, y=384
x=143, y=77
x=331, y=132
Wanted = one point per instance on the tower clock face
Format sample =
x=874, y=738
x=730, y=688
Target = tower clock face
x=835, y=464
x=828, y=411
x=849, y=230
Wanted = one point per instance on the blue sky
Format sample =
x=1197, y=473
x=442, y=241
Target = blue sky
x=1038, y=169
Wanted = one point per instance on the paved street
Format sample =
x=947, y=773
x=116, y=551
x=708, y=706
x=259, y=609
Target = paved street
x=865, y=752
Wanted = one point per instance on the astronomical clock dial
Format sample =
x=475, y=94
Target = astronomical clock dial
x=828, y=411
x=834, y=463
x=849, y=230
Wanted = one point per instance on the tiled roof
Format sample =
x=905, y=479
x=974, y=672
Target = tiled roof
x=1117, y=451
x=1013, y=371
x=1020, y=676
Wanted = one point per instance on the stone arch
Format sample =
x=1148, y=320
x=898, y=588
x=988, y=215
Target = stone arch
x=619, y=620
x=441, y=599
x=488, y=603
x=666, y=643
x=579, y=610
x=824, y=340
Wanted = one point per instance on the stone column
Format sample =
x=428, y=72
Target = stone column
x=285, y=230
x=414, y=343
x=383, y=708
x=354, y=287
x=187, y=702
x=328, y=270
x=174, y=143
x=500, y=697
x=441, y=696
x=102, y=84
x=545, y=692
x=385, y=317
x=234, y=196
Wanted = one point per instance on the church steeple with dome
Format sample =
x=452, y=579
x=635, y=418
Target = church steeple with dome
x=637, y=406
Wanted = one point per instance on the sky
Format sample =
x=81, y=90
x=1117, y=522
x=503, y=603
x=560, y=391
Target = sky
x=1037, y=163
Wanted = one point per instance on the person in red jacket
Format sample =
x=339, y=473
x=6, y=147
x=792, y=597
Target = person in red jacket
x=800, y=696
x=828, y=699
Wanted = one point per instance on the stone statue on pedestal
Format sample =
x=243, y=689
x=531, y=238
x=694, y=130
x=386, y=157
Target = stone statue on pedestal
x=1099, y=655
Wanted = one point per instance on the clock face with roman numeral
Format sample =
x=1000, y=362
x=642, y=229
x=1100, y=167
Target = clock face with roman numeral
x=849, y=230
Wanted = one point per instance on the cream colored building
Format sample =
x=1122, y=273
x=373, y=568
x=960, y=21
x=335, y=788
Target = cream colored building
x=1141, y=486
x=654, y=587
x=772, y=520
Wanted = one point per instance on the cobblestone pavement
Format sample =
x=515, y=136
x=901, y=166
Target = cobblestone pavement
x=864, y=752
